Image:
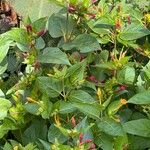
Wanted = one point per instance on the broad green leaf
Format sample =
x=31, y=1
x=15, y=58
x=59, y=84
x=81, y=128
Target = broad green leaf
x=133, y=32
x=140, y=127
x=137, y=142
x=140, y=98
x=18, y=35
x=121, y=142
x=4, y=107
x=85, y=127
x=126, y=75
x=81, y=96
x=50, y=86
x=45, y=107
x=54, y=133
x=66, y=107
x=3, y=66
x=84, y=42
x=3, y=51
x=53, y=55
x=39, y=43
x=110, y=127
x=45, y=144
x=76, y=72
x=104, y=141
x=32, y=108
x=34, y=8
x=106, y=65
x=36, y=130
x=90, y=110
x=58, y=26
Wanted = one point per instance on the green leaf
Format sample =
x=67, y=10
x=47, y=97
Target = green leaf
x=54, y=133
x=36, y=130
x=84, y=42
x=45, y=107
x=133, y=32
x=53, y=55
x=50, y=86
x=3, y=51
x=140, y=98
x=126, y=75
x=137, y=142
x=104, y=141
x=39, y=43
x=106, y=65
x=66, y=107
x=45, y=144
x=85, y=127
x=81, y=96
x=110, y=127
x=3, y=66
x=34, y=8
x=140, y=127
x=32, y=108
x=121, y=142
x=58, y=26
x=91, y=110
x=4, y=107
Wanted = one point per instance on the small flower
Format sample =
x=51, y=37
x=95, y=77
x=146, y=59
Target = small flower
x=73, y=121
x=119, y=8
x=93, y=79
x=29, y=28
x=41, y=33
x=123, y=101
x=88, y=141
x=118, y=25
x=37, y=65
x=122, y=88
x=81, y=137
x=92, y=146
x=93, y=1
x=129, y=19
x=71, y=9
x=92, y=16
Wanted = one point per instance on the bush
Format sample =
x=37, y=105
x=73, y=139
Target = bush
x=78, y=79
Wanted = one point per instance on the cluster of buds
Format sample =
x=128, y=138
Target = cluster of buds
x=88, y=141
x=121, y=88
x=77, y=9
x=30, y=30
x=92, y=78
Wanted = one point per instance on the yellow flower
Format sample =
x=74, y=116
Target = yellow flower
x=147, y=17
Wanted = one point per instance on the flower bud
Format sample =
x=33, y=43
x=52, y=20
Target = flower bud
x=41, y=33
x=73, y=121
x=29, y=28
x=71, y=9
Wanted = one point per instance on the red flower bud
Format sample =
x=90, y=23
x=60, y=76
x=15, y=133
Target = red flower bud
x=41, y=33
x=73, y=121
x=93, y=78
x=81, y=143
x=92, y=146
x=129, y=20
x=37, y=65
x=81, y=137
x=118, y=24
x=88, y=141
x=93, y=1
x=92, y=16
x=71, y=9
x=29, y=28
x=119, y=8
x=122, y=88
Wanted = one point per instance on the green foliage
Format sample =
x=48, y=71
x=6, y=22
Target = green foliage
x=78, y=79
